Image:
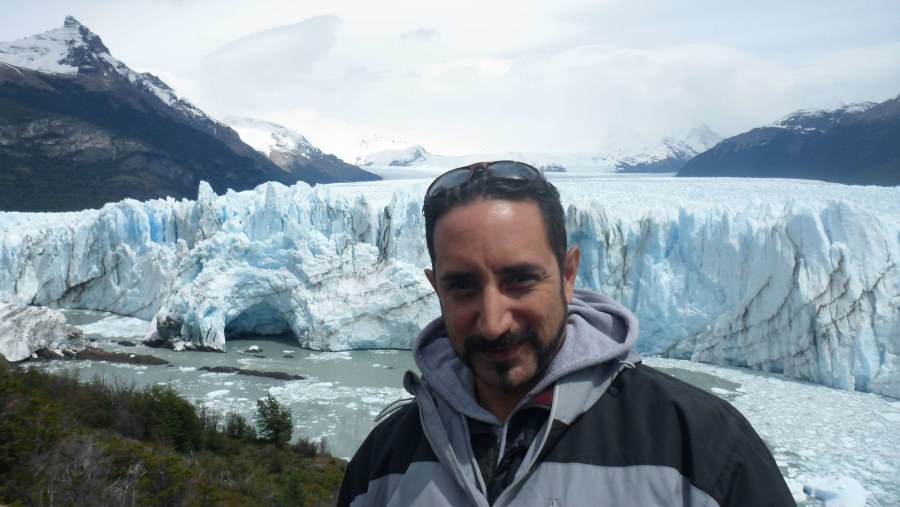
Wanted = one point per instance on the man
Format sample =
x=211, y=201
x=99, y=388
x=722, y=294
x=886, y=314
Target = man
x=531, y=392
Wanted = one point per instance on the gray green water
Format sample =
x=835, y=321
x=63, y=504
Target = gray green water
x=818, y=435
x=337, y=401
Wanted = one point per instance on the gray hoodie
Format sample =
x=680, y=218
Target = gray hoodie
x=598, y=330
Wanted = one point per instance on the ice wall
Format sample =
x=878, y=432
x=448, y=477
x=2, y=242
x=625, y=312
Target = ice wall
x=793, y=277
x=26, y=329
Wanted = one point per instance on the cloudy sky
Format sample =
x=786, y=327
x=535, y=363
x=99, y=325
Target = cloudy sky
x=461, y=76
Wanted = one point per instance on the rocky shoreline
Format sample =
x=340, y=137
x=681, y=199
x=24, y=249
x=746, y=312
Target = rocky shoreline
x=277, y=375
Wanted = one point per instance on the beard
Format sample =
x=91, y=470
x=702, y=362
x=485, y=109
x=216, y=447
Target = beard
x=544, y=351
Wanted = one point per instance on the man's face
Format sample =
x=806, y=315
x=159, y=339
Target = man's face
x=502, y=294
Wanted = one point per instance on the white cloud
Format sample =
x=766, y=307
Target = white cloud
x=421, y=35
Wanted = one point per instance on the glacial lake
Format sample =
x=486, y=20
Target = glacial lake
x=846, y=442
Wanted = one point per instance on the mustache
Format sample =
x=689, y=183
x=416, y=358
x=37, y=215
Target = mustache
x=510, y=339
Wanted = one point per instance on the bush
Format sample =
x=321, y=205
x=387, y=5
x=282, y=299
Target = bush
x=273, y=420
x=64, y=442
x=171, y=419
x=306, y=447
x=236, y=426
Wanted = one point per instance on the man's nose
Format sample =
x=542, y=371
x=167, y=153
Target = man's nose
x=495, y=315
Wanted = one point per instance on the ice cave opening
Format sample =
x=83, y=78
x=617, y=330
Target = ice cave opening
x=266, y=318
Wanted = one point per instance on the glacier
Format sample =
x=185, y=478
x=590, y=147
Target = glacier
x=793, y=277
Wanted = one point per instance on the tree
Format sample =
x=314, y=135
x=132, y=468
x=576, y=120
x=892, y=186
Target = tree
x=171, y=419
x=273, y=420
x=237, y=427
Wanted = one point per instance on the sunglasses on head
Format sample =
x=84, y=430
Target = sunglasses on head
x=501, y=170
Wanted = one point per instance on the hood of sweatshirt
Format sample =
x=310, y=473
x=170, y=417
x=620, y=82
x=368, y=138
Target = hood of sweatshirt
x=598, y=330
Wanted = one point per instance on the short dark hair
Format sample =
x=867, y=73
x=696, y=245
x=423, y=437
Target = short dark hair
x=482, y=187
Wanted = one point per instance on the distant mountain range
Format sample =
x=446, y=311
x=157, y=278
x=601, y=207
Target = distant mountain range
x=394, y=158
x=78, y=129
x=415, y=161
x=855, y=144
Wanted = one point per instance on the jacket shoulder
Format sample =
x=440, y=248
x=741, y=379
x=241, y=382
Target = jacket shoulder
x=391, y=447
x=648, y=418
x=660, y=390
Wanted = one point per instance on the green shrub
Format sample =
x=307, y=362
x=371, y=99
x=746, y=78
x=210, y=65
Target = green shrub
x=171, y=419
x=236, y=426
x=65, y=442
x=274, y=420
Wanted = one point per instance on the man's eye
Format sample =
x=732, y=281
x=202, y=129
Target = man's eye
x=459, y=286
x=522, y=281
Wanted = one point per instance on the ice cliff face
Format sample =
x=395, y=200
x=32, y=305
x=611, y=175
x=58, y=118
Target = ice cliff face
x=25, y=329
x=812, y=294
x=724, y=271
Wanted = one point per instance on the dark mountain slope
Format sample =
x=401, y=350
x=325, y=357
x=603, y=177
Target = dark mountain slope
x=79, y=129
x=64, y=147
x=857, y=144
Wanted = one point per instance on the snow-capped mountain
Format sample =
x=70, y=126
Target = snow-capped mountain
x=808, y=120
x=79, y=129
x=671, y=154
x=74, y=51
x=375, y=143
x=855, y=144
x=292, y=152
x=267, y=137
x=405, y=157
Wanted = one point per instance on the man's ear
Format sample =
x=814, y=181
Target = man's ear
x=429, y=274
x=570, y=269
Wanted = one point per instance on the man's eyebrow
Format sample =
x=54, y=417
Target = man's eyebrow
x=515, y=269
x=453, y=276
x=525, y=267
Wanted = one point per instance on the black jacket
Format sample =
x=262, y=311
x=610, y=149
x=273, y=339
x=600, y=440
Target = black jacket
x=649, y=440
x=612, y=432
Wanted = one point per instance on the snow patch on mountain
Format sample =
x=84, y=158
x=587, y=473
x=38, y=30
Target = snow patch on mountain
x=809, y=120
x=266, y=137
x=48, y=52
x=406, y=157
x=670, y=154
x=374, y=143
x=74, y=49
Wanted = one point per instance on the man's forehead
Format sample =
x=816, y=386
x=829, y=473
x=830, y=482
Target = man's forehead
x=485, y=214
x=494, y=207
x=507, y=230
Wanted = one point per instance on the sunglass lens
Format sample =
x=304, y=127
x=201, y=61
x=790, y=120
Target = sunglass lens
x=512, y=170
x=451, y=179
